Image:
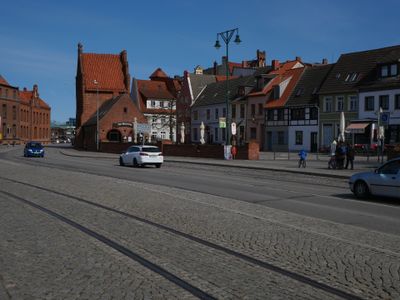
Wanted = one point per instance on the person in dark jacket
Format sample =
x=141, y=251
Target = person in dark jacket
x=340, y=155
x=350, y=153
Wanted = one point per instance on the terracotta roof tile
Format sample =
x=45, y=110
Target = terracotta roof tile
x=154, y=89
x=27, y=96
x=294, y=75
x=3, y=81
x=159, y=73
x=107, y=69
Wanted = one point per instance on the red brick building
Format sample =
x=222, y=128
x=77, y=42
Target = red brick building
x=34, y=117
x=24, y=115
x=102, y=89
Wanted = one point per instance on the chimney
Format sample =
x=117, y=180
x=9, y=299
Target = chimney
x=298, y=58
x=261, y=57
x=324, y=61
x=275, y=64
x=125, y=69
x=80, y=49
x=35, y=91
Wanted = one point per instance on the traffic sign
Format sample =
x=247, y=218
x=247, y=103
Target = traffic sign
x=385, y=116
x=222, y=122
x=233, y=128
x=143, y=127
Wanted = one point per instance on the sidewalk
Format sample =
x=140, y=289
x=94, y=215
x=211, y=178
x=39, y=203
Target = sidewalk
x=268, y=161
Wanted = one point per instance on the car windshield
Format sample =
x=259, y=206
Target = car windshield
x=150, y=149
x=35, y=145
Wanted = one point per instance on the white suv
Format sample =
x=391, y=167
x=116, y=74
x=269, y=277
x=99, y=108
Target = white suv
x=142, y=155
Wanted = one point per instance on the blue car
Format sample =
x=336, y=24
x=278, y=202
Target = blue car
x=33, y=149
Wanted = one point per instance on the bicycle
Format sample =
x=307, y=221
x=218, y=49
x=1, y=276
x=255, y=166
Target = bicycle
x=302, y=163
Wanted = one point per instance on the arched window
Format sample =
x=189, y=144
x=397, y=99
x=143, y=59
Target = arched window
x=114, y=135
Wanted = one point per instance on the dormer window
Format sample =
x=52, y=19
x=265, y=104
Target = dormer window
x=241, y=91
x=389, y=70
x=299, y=92
x=277, y=92
x=353, y=77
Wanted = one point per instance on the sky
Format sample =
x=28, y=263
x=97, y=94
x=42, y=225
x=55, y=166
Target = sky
x=39, y=38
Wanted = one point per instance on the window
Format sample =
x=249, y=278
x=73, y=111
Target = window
x=208, y=113
x=339, y=103
x=369, y=103
x=347, y=78
x=389, y=70
x=154, y=119
x=233, y=111
x=353, y=77
x=260, y=109
x=276, y=92
x=298, y=114
x=153, y=103
x=353, y=103
x=397, y=101
x=384, y=71
x=393, y=70
x=4, y=111
x=163, y=135
x=299, y=137
x=281, y=137
x=224, y=112
x=14, y=112
x=216, y=134
x=270, y=114
x=223, y=133
x=216, y=114
x=14, y=94
x=125, y=109
x=154, y=135
x=253, y=109
x=299, y=92
x=6, y=93
x=313, y=113
x=242, y=108
x=195, y=115
x=327, y=104
x=281, y=114
x=253, y=133
x=384, y=102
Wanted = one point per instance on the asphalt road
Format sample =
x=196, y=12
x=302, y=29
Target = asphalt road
x=83, y=228
x=319, y=197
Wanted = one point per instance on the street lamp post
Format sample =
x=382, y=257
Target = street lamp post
x=97, y=113
x=226, y=37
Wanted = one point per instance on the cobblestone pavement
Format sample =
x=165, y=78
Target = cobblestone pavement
x=43, y=258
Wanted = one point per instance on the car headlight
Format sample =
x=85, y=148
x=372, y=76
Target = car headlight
x=30, y=150
x=41, y=150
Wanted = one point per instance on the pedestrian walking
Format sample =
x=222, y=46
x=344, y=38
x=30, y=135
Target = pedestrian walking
x=303, y=156
x=332, y=160
x=350, y=153
x=340, y=155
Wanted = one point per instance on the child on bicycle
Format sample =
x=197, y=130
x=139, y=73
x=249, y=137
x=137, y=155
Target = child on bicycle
x=303, y=155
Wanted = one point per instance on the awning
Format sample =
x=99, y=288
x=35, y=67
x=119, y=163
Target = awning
x=357, y=127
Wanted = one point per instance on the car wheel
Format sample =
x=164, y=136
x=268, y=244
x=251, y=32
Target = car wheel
x=158, y=165
x=135, y=163
x=361, y=189
x=121, y=162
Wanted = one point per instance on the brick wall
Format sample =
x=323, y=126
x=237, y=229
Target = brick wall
x=250, y=151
